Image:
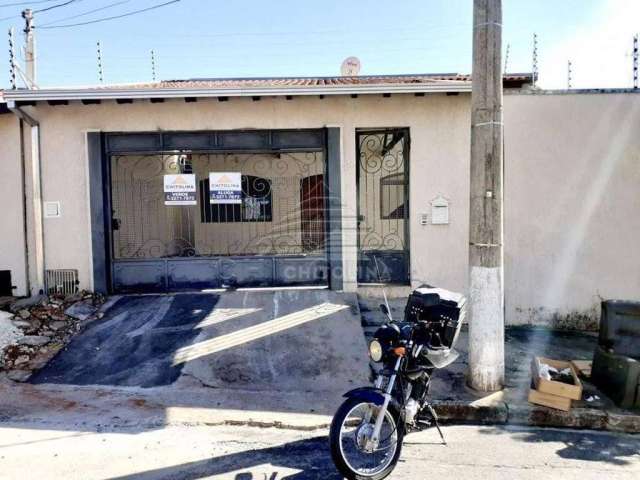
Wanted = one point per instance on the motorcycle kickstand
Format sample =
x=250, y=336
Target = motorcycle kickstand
x=434, y=415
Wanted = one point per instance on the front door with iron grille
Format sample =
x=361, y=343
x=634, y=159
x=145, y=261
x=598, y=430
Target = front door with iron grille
x=383, y=205
x=271, y=233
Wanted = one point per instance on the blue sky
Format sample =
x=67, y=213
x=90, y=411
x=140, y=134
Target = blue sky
x=218, y=38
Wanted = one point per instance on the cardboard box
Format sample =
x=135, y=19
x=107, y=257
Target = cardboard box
x=573, y=392
x=548, y=400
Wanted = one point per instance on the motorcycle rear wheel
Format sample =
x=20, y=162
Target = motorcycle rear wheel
x=391, y=432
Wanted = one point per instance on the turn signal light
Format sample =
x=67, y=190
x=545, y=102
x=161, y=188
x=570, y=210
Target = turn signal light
x=400, y=351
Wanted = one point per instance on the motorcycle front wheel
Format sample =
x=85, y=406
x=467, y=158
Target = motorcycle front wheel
x=351, y=427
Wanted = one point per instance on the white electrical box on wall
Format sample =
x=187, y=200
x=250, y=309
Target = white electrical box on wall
x=52, y=210
x=439, y=211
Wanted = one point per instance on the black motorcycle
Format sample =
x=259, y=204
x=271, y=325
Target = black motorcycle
x=368, y=429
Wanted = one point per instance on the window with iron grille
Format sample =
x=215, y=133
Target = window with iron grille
x=392, y=196
x=256, y=203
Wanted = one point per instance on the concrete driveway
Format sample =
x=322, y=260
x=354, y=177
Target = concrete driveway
x=304, y=340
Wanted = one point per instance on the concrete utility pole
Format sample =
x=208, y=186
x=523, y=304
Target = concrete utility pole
x=30, y=47
x=486, y=287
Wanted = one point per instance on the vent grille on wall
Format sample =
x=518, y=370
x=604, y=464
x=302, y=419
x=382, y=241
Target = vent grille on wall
x=61, y=281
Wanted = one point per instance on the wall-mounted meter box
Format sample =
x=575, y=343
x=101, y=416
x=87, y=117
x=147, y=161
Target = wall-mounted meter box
x=439, y=211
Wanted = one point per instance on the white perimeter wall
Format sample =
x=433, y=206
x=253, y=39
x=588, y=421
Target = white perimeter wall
x=572, y=205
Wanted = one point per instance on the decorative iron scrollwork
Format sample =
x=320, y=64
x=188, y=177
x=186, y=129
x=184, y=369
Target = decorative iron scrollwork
x=382, y=190
x=282, y=211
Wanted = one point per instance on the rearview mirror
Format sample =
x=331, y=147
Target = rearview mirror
x=384, y=309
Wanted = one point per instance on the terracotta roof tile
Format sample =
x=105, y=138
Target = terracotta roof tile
x=278, y=82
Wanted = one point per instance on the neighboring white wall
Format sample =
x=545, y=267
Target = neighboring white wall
x=12, y=252
x=439, y=129
x=572, y=205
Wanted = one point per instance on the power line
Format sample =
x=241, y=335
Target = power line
x=113, y=17
x=85, y=13
x=64, y=4
x=19, y=4
x=350, y=31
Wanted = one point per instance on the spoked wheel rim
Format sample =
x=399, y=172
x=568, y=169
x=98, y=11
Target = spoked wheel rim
x=359, y=423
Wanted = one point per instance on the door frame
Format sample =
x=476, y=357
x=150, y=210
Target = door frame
x=406, y=161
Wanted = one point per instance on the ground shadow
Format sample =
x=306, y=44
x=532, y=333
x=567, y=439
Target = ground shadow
x=309, y=459
x=595, y=447
x=133, y=345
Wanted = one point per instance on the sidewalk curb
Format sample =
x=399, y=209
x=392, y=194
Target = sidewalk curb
x=125, y=408
x=502, y=413
x=456, y=412
x=451, y=411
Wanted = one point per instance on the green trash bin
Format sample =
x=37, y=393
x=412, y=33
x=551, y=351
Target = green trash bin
x=616, y=363
x=618, y=376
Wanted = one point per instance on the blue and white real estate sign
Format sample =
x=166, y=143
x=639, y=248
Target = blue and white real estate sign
x=180, y=189
x=225, y=187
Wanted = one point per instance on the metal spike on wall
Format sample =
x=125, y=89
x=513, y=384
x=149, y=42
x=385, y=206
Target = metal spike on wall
x=100, y=71
x=569, y=72
x=535, y=59
x=506, y=58
x=12, y=60
x=153, y=65
x=635, y=61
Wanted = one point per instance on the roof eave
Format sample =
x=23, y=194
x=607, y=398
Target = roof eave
x=146, y=93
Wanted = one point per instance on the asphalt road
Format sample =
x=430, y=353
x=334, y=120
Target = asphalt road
x=33, y=450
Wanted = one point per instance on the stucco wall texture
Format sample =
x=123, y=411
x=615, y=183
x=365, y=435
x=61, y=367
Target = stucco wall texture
x=12, y=250
x=572, y=205
x=572, y=185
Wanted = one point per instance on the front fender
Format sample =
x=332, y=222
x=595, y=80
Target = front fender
x=368, y=394
x=375, y=396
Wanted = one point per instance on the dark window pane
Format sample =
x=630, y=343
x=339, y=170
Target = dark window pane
x=392, y=191
x=256, y=203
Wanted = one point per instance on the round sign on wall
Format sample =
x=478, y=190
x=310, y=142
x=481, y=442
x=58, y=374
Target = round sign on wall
x=350, y=67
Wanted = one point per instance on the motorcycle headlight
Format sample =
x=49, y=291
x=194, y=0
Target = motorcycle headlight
x=375, y=351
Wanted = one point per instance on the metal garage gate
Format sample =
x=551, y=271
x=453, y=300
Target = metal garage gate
x=274, y=233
